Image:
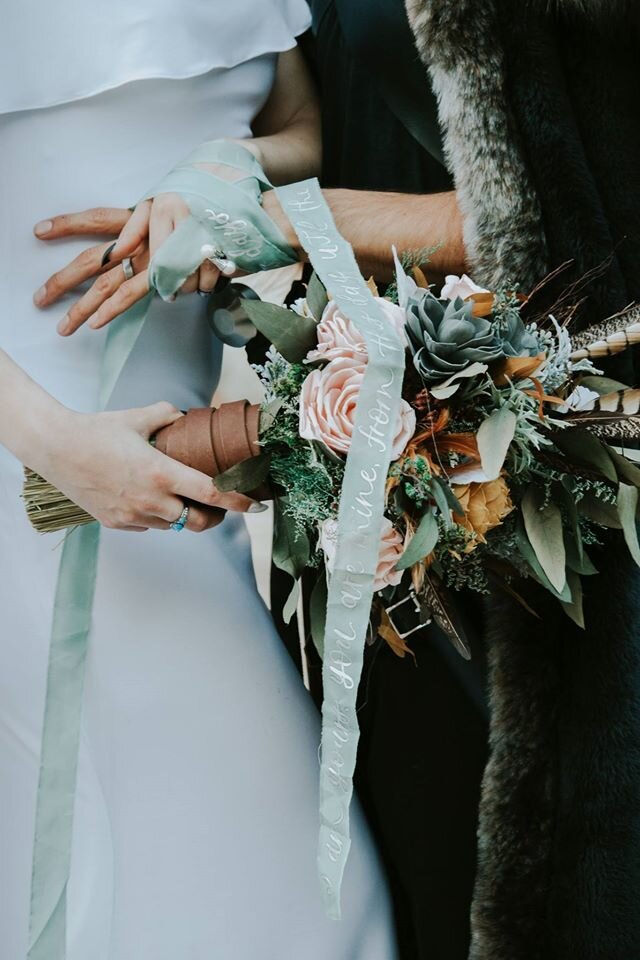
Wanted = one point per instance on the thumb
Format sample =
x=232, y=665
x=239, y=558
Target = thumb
x=148, y=420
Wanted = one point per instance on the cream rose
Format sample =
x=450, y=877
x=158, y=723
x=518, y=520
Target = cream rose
x=339, y=337
x=462, y=287
x=391, y=548
x=328, y=405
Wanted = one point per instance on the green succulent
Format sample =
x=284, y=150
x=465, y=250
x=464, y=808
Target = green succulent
x=445, y=337
x=516, y=339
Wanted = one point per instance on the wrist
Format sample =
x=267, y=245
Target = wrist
x=50, y=432
x=273, y=209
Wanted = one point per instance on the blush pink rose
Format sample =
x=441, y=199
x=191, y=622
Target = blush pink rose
x=391, y=549
x=339, y=337
x=328, y=405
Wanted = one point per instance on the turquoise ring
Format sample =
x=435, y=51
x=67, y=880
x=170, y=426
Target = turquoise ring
x=181, y=522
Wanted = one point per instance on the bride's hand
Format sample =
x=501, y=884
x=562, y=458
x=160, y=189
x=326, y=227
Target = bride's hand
x=139, y=235
x=105, y=464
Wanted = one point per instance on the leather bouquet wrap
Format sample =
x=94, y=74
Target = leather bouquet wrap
x=209, y=439
x=214, y=440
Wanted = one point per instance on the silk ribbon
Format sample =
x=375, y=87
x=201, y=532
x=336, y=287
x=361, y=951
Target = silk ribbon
x=360, y=517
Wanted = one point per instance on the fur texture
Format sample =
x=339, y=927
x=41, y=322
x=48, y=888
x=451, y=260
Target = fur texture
x=539, y=183
x=494, y=188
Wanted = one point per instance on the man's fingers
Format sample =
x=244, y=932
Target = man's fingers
x=135, y=233
x=208, y=277
x=190, y=484
x=95, y=222
x=128, y=293
x=154, y=417
x=88, y=264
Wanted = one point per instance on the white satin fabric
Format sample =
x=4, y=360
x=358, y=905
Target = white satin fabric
x=55, y=52
x=196, y=813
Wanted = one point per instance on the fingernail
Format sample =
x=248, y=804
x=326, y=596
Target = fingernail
x=63, y=325
x=42, y=228
x=258, y=507
x=40, y=296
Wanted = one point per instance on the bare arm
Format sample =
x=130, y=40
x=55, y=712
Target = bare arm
x=374, y=222
x=287, y=138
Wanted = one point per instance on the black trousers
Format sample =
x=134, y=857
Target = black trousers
x=422, y=753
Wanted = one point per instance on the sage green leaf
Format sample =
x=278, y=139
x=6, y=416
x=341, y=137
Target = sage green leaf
x=494, y=439
x=268, y=414
x=567, y=497
x=449, y=495
x=602, y=385
x=245, y=476
x=442, y=502
x=577, y=560
x=626, y=470
x=318, y=611
x=292, y=335
x=291, y=604
x=628, y=453
x=573, y=608
x=580, y=446
x=605, y=514
x=291, y=548
x=543, y=523
x=445, y=390
x=528, y=554
x=317, y=298
x=421, y=544
x=627, y=506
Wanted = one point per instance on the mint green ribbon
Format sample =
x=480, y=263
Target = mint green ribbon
x=360, y=521
x=65, y=684
x=226, y=215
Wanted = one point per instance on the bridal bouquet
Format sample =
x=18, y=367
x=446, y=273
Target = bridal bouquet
x=508, y=459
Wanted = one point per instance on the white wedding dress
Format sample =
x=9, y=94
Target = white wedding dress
x=196, y=810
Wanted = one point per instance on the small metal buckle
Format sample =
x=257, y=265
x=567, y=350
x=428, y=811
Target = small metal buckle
x=411, y=596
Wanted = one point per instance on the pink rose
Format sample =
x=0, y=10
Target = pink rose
x=391, y=549
x=339, y=337
x=328, y=404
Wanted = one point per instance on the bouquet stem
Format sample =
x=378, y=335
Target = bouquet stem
x=209, y=440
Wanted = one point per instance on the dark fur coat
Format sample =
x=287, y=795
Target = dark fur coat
x=538, y=104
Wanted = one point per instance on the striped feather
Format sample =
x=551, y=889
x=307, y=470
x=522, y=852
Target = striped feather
x=612, y=407
x=609, y=337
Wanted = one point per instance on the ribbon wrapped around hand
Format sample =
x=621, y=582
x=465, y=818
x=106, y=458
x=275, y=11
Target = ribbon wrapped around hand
x=227, y=219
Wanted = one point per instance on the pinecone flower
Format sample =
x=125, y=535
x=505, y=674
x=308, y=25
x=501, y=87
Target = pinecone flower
x=445, y=337
x=485, y=506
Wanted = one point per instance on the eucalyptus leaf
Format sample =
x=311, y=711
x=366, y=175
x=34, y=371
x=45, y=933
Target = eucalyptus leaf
x=245, y=476
x=292, y=335
x=449, y=495
x=573, y=608
x=627, y=506
x=627, y=471
x=571, y=508
x=442, y=502
x=291, y=604
x=602, y=385
x=580, y=446
x=605, y=514
x=543, y=524
x=577, y=560
x=494, y=439
x=317, y=298
x=291, y=548
x=268, y=413
x=318, y=612
x=528, y=554
x=628, y=453
x=445, y=390
x=421, y=544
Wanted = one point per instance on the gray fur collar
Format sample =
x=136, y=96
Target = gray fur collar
x=504, y=237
